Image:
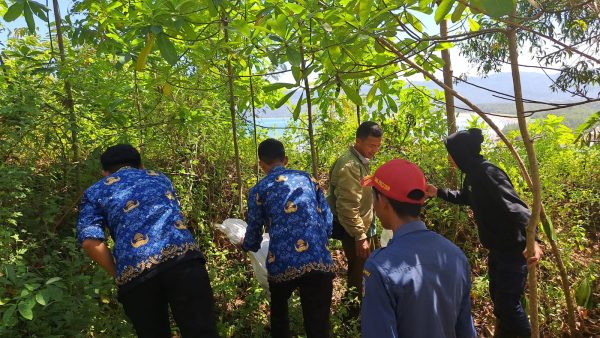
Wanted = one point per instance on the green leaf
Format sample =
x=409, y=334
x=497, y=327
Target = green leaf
x=548, y=228
x=392, y=104
x=476, y=6
x=28, y=14
x=284, y=99
x=352, y=94
x=297, y=73
x=372, y=92
x=496, y=8
x=26, y=308
x=40, y=298
x=167, y=49
x=274, y=86
x=583, y=292
x=443, y=46
x=335, y=52
x=443, y=10
x=294, y=8
x=473, y=25
x=14, y=12
x=458, y=12
x=587, y=125
x=296, y=113
x=141, y=61
x=293, y=56
x=39, y=10
x=364, y=10
x=10, y=273
x=53, y=280
x=8, y=318
x=241, y=26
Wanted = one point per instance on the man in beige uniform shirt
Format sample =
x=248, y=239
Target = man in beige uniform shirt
x=352, y=205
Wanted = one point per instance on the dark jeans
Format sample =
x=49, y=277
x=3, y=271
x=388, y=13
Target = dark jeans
x=508, y=274
x=186, y=289
x=315, y=296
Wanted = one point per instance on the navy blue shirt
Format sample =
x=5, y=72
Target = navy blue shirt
x=417, y=286
x=141, y=211
x=293, y=206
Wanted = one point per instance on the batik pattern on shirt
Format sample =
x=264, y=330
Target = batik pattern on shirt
x=293, y=207
x=141, y=211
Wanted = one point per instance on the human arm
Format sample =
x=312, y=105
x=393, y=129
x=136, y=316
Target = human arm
x=348, y=193
x=99, y=253
x=256, y=221
x=90, y=234
x=453, y=196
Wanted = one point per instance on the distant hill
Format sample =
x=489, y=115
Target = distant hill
x=536, y=87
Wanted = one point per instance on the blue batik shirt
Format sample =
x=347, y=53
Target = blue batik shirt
x=417, y=286
x=293, y=207
x=141, y=211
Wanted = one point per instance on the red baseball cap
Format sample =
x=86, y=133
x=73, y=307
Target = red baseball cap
x=396, y=179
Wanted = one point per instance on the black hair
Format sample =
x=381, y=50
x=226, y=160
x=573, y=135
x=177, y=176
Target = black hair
x=120, y=155
x=368, y=128
x=271, y=150
x=403, y=209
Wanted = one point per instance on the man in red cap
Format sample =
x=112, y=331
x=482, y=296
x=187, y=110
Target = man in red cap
x=419, y=285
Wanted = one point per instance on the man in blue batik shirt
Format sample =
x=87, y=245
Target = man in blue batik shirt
x=155, y=261
x=419, y=285
x=293, y=208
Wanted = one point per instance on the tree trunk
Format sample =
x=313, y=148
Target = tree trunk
x=535, y=179
x=450, y=113
x=311, y=138
x=238, y=171
x=448, y=97
x=68, y=102
x=256, y=167
x=357, y=106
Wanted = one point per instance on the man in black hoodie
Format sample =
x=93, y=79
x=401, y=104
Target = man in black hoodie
x=501, y=218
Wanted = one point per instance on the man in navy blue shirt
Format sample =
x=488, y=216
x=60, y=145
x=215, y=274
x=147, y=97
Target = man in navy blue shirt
x=293, y=208
x=419, y=285
x=155, y=261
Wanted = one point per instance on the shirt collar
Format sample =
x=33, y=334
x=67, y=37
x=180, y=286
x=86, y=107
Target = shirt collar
x=363, y=159
x=408, y=228
x=125, y=168
x=277, y=169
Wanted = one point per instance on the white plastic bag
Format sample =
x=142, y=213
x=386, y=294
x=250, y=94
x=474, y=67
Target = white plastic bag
x=235, y=230
x=259, y=262
x=386, y=235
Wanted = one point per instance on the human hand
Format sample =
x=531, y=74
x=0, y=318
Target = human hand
x=363, y=249
x=431, y=191
x=537, y=255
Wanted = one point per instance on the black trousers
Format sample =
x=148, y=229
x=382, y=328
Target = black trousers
x=186, y=289
x=508, y=275
x=315, y=296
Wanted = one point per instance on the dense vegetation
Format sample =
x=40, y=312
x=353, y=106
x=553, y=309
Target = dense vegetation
x=175, y=78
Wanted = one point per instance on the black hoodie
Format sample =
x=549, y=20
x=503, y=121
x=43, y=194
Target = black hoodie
x=500, y=214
